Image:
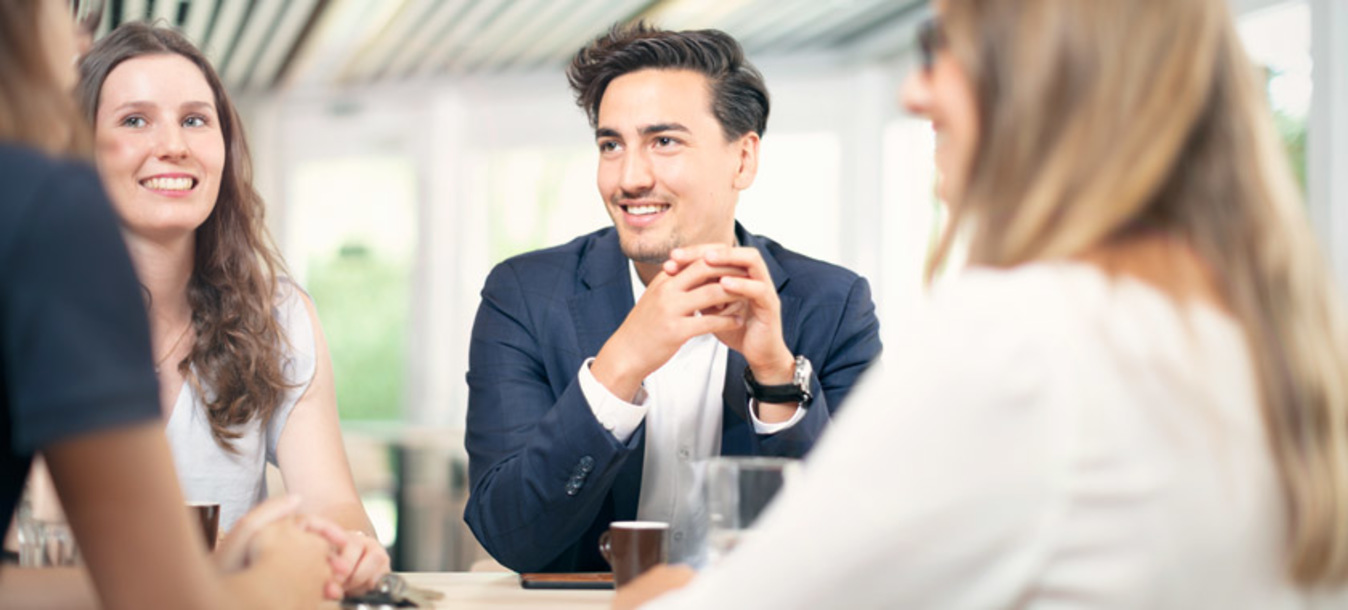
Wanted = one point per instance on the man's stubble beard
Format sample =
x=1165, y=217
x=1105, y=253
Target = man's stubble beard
x=646, y=253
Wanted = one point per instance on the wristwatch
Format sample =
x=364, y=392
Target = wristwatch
x=798, y=391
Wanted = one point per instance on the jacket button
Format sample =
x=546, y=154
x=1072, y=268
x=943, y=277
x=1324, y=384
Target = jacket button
x=586, y=464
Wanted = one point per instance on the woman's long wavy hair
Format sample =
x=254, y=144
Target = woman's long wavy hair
x=35, y=109
x=1106, y=120
x=236, y=364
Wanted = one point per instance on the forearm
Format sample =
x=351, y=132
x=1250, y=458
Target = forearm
x=349, y=515
x=54, y=588
x=141, y=554
x=264, y=586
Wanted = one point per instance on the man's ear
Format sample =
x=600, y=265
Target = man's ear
x=748, y=156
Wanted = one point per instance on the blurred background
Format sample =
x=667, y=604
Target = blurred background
x=406, y=146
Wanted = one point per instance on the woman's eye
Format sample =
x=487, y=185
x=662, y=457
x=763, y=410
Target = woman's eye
x=194, y=121
x=134, y=121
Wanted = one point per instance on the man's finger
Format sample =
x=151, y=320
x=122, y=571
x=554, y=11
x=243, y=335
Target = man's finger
x=699, y=273
x=749, y=259
x=681, y=258
x=706, y=296
x=755, y=291
x=703, y=325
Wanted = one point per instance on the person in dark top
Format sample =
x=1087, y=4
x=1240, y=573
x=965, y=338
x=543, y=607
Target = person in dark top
x=76, y=381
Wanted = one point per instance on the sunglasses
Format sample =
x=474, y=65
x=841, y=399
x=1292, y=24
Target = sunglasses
x=88, y=14
x=930, y=39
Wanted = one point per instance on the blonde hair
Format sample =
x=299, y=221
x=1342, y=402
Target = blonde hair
x=1106, y=120
x=35, y=109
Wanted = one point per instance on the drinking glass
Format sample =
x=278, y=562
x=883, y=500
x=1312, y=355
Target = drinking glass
x=738, y=489
x=44, y=544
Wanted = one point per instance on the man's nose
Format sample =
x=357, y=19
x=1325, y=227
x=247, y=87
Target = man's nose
x=637, y=176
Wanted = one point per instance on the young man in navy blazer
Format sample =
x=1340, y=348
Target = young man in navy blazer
x=601, y=372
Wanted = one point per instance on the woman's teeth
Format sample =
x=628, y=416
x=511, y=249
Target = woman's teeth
x=167, y=184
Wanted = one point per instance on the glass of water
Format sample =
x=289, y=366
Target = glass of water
x=44, y=544
x=737, y=491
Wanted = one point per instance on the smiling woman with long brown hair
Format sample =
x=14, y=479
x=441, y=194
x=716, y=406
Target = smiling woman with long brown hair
x=243, y=367
x=1135, y=396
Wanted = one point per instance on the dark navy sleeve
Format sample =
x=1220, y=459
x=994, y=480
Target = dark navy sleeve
x=74, y=339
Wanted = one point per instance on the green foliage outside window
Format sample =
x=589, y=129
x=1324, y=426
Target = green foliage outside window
x=363, y=302
x=1293, y=132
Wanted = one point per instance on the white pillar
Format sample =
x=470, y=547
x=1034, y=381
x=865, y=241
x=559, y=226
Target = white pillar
x=1327, y=132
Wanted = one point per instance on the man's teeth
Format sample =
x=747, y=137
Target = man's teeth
x=168, y=184
x=643, y=210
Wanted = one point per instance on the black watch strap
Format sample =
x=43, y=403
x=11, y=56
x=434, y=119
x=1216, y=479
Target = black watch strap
x=798, y=391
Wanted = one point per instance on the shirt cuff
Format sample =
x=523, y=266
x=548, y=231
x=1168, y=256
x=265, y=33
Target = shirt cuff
x=764, y=428
x=616, y=415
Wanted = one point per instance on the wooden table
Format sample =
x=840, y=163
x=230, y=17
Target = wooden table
x=500, y=590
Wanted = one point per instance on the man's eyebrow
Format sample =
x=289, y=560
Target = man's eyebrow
x=662, y=127
x=605, y=132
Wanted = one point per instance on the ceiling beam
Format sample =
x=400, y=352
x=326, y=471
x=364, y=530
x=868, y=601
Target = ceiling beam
x=256, y=32
x=406, y=53
x=478, y=15
x=481, y=43
x=167, y=10
x=547, y=18
x=590, y=19
x=298, y=15
x=199, y=16
x=225, y=31
x=380, y=48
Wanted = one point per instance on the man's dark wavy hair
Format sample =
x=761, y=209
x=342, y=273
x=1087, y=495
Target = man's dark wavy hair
x=739, y=97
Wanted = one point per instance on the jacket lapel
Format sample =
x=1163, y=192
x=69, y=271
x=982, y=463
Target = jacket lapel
x=602, y=301
x=604, y=296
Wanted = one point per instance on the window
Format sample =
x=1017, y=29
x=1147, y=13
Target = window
x=1278, y=38
x=351, y=238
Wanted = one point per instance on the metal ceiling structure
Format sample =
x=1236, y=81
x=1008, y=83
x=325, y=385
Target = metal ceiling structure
x=260, y=45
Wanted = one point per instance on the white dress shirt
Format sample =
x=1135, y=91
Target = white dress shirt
x=681, y=405
x=1042, y=437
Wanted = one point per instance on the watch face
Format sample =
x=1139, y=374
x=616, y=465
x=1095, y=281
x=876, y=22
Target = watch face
x=803, y=371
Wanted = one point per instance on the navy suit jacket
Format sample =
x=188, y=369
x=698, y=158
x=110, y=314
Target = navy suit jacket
x=546, y=478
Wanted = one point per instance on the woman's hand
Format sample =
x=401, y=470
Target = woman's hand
x=368, y=558
x=289, y=549
x=273, y=529
x=234, y=550
x=361, y=557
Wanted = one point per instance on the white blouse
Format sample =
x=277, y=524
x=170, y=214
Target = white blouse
x=237, y=481
x=1042, y=437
